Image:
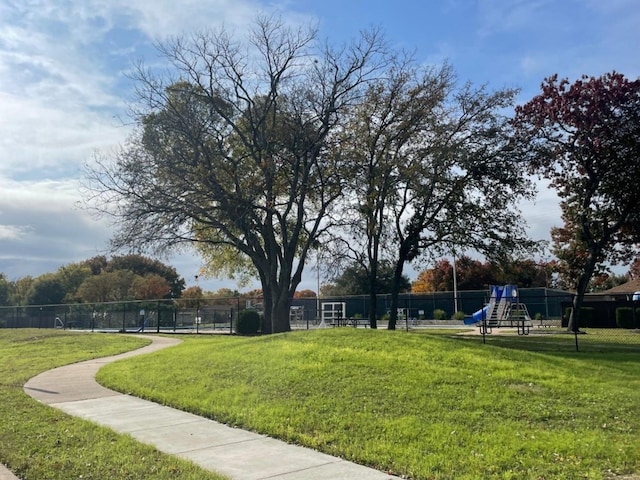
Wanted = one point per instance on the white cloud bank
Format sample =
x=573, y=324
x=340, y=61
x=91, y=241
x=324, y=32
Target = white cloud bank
x=63, y=87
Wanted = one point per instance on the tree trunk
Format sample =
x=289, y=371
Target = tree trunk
x=373, y=294
x=373, y=309
x=581, y=288
x=280, y=316
x=395, y=286
x=276, y=303
x=393, y=314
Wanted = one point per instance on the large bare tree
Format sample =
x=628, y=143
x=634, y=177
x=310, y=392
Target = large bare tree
x=434, y=171
x=231, y=149
x=464, y=184
x=381, y=140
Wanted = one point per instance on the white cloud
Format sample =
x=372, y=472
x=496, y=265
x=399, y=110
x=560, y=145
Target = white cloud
x=62, y=88
x=43, y=228
x=12, y=232
x=496, y=16
x=61, y=98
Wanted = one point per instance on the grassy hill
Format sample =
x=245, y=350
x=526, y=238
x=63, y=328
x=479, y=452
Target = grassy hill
x=420, y=405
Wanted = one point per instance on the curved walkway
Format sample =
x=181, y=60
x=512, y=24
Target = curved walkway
x=211, y=445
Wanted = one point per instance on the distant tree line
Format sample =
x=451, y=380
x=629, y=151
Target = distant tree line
x=96, y=280
x=136, y=277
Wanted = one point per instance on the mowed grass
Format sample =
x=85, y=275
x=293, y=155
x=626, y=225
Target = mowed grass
x=419, y=405
x=39, y=442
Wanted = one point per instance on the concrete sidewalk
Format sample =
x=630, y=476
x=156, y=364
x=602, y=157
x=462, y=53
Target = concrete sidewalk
x=6, y=474
x=238, y=454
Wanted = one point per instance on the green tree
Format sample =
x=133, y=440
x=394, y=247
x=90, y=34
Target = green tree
x=585, y=139
x=383, y=135
x=145, y=266
x=46, y=289
x=109, y=286
x=355, y=280
x=71, y=276
x=462, y=190
x=232, y=151
x=525, y=273
x=97, y=264
x=446, y=179
x=19, y=290
x=5, y=287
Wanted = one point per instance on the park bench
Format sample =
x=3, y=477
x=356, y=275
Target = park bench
x=352, y=322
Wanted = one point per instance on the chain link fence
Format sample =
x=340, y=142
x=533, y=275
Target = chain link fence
x=200, y=315
x=607, y=323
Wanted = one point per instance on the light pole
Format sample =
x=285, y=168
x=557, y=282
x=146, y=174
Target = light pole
x=455, y=285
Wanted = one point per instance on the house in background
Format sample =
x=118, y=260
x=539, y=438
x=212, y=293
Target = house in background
x=605, y=303
x=625, y=291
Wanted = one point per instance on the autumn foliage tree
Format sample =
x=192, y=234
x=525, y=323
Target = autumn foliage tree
x=473, y=274
x=634, y=269
x=584, y=138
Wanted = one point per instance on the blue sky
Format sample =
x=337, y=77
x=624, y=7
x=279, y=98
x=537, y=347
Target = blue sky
x=63, y=86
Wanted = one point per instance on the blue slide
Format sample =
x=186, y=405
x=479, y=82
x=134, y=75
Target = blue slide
x=477, y=316
x=498, y=293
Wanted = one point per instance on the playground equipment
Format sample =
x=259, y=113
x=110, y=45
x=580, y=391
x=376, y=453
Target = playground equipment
x=503, y=310
x=332, y=313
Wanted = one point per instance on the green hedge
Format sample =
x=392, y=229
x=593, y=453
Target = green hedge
x=439, y=314
x=248, y=322
x=625, y=317
x=586, y=317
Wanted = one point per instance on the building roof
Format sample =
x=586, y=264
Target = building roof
x=629, y=287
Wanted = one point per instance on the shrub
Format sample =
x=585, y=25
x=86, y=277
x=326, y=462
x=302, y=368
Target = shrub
x=439, y=314
x=586, y=317
x=248, y=322
x=459, y=315
x=624, y=317
x=538, y=316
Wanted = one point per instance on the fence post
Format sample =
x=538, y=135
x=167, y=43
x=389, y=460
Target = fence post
x=197, y=315
x=484, y=324
x=406, y=314
x=175, y=317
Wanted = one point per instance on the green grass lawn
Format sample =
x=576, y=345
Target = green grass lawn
x=39, y=442
x=421, y=405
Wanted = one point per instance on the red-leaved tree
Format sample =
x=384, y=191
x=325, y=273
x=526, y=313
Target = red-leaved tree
x=585, y=139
